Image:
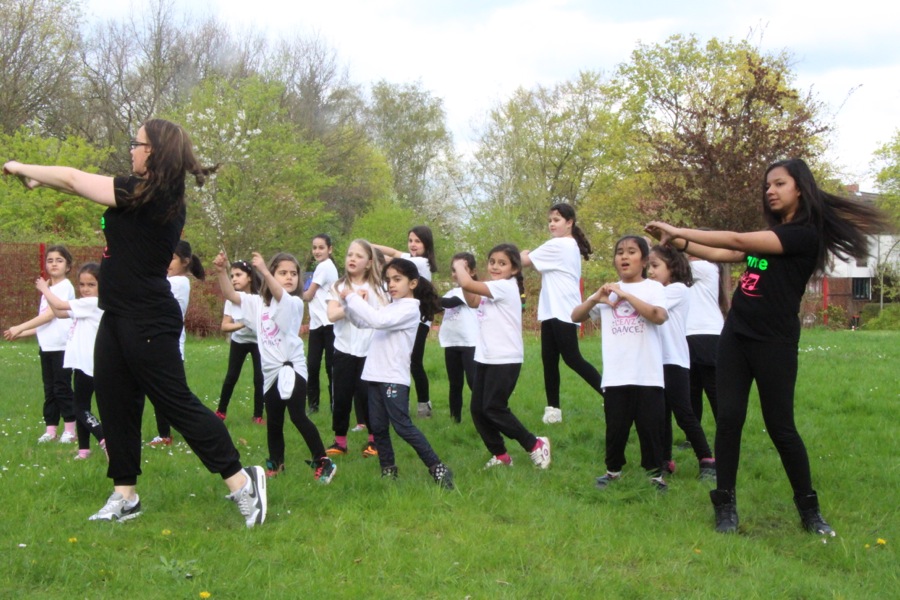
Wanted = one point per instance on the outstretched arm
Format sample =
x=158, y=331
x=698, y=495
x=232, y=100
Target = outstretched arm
x=228, y=291
x=716, y=246
x=388, y=251
x=259, y=263
x=97, y=188
x=28, y=327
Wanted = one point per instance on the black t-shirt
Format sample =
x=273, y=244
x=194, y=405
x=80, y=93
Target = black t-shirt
x=766, y=304
x=139, y=248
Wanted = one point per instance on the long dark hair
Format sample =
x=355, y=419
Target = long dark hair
x=677, y=263
x=327, y=239
x=264, y=290
x=255, y=279
x=424, y=292
x=843, y=224
x=170, y=159
x=423, y=232
x=515, y=258
x=567, y=212
x=185, y=253
x=470, y=262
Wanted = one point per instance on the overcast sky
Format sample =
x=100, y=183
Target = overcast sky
x=474, y=53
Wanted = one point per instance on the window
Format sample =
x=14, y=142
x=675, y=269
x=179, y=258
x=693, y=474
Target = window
x=862, y=262
x=862, y=288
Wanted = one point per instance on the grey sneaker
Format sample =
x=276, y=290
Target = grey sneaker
x=118, y=509
x=604, y=480
x=708, y=469
x=424, y=411
x=251, y=499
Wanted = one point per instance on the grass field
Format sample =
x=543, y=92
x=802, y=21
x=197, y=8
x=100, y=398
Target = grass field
x=511, y=533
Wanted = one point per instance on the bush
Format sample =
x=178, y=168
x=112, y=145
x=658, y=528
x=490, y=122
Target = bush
x=836, y=317
x=889, y=319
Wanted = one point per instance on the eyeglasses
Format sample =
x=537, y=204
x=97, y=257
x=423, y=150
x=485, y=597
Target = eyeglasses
x=134, y=144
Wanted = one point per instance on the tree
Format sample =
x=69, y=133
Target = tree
x=713, y=117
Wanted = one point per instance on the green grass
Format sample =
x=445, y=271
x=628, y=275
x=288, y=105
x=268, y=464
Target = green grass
x=512, y=533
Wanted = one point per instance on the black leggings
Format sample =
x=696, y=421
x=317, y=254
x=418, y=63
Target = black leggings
x=87, y=423
x=644, y=406
x=561, y=339
x=704, y=348
x=321, y=342
x=494, y=384
x=237, y=354
x=774, y=368
x=57, y=388
x=296, y=408
x=417, y=366
x=348, y=387
x=677, y=380
x=460, y=363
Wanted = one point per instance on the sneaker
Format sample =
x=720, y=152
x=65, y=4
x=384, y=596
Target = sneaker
x=498, y=462
x=251, y=499
x=685, y=445
x=47, y=437
x=259, y=420
x=668, y=467
x=708, y=469
x=336, y=450
x=220, y=414
x=312, y=409
x=424, y=411
x=552, y=415
x=325, y=470
x=660, y=484
x=67, y=437
x=160, y=441
x=273, y=470
x=82, y=455
x=118, y=509
x=359, y=427
x=813, y=522
x=604, y=480
x=725, y=506
x=443, y=476
x=540, y=456
x=389, y=472
x=370, y=450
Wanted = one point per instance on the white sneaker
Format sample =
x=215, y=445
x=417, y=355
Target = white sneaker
x=359, y=427
x=46, y=438
x=552, y=415
x=541, y=456
x=67, y=437
x=118, y=509
x=496, y=462
x=252, y=499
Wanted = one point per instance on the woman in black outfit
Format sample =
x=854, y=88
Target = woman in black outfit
x=136, y=351
x=762, y=330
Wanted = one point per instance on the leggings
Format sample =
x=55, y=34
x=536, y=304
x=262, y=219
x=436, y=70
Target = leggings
x=133, y=365
x=703, y=349
x=237, y=354
x=561, y=339
x=57, y=388
x=348, y=386
x=87, y=423
x=774, y=368
x=417, y=366
x=460, y=363
x=321, y=342
x=645, y=407
x=296, y=408
x=677, y=392
x=494, y=384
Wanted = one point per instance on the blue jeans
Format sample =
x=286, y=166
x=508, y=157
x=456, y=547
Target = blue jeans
x=389, y=405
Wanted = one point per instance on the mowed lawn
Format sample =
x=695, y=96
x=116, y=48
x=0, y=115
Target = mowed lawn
x=510, y=533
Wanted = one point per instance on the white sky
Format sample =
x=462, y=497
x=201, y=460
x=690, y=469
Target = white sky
x=474, y=53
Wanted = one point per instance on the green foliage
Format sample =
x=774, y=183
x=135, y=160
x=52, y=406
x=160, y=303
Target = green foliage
x=43, y=214
x=887, y=166
x=887, y=319
x=836, y=316
x=385, y=223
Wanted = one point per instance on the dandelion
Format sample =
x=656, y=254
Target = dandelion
x=867, y=546
x=167, y=532
x=881, y=542
x=205, y=594
x=697, y=551
x=73, y=540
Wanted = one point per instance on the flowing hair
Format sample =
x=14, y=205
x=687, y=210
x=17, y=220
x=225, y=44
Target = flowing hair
x=185, y=253
x=372, y=274
x=567, y=212
x=424, y=292
x=843, y=225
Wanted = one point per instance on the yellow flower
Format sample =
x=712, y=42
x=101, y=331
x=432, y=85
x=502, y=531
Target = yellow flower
x=73, y=540
x=167, y=532
x=881, y=541
x=697, y=550
x=867, y=546
x=205, y=594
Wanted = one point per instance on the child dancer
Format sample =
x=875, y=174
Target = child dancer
x=242, y=342
x=351, y=344
x=559, y=263
x=709, y=305
x=52, y=335
x=630, y=311
x=499, y=353
x=184, y=261
x=321, y=330
x=458, y=336
x=670, y=268
x=85, y=315
x=386, y=371
x=276, y=314
x=420, y=243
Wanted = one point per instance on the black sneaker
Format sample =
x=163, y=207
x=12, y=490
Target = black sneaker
x=325, y=470
x=604, y=480
x=808, y=507
x=660, y=484
x=443, y=476
x=725, y=505
x=708, y=469
x=389, y=472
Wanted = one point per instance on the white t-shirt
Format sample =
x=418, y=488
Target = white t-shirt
x=632, y=349
x=277, y=328
x=244, y=335
x=52, y=336
x=325, y=275
x=181, y=289
x=705, y=317
x=85, y=315
x=500, y=325
x=459, y=325
x=348, y=338
x=395, y=326
x=674, y=342
x=421, y=263
x=559, y=263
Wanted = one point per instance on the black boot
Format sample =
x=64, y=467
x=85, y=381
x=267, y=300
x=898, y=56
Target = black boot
x=808, y=507
x=725, y=506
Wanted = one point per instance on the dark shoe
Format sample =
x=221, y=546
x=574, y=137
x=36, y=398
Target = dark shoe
x=725, y=505
x=660, y=484
x=603, y=481
x=808, y=507
x=443, y=476
x=312, y=409
x=708, y=469
x=389, y=472
x=273, y=469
